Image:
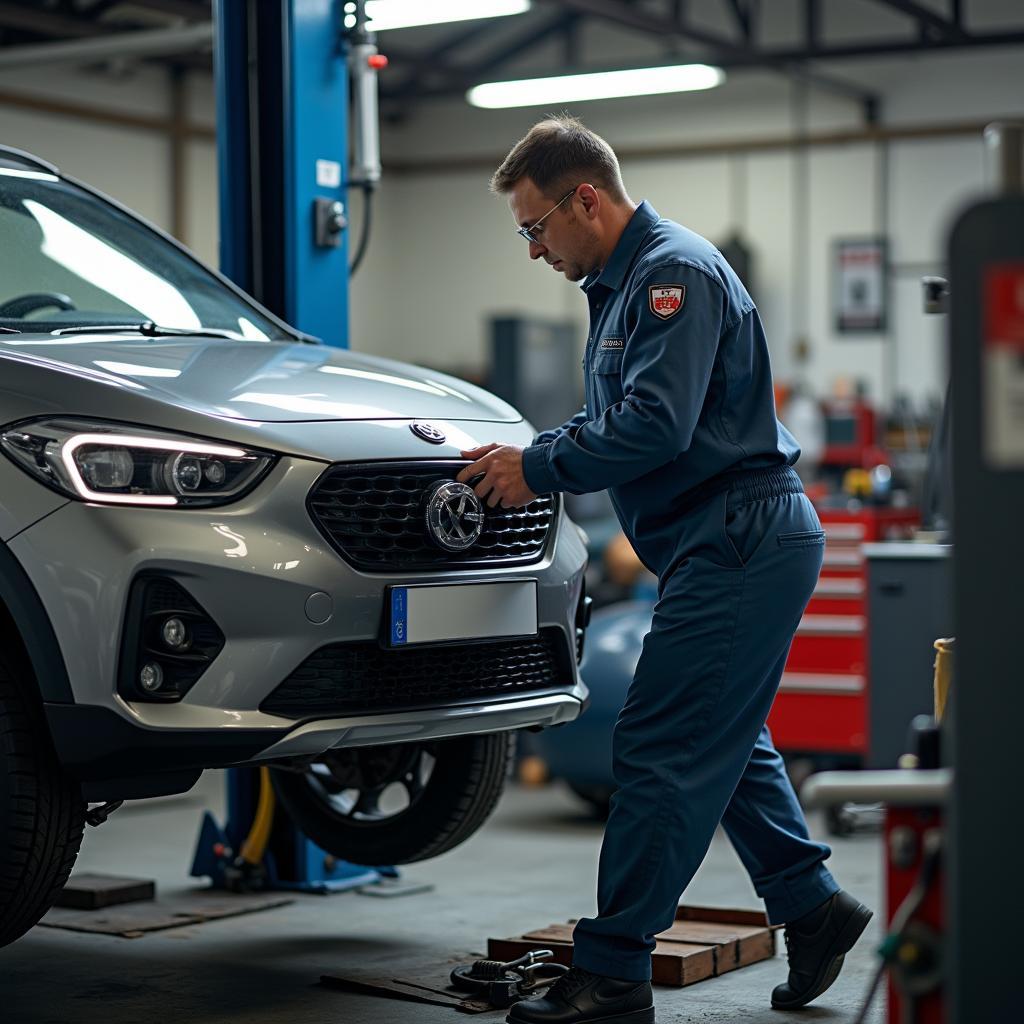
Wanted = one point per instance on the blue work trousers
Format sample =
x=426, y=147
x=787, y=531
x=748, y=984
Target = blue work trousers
x=691, y=748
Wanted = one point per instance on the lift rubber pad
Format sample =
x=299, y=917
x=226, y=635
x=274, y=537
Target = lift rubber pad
x=134, y=920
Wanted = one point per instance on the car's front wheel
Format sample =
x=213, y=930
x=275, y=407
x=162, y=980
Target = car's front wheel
x=42, y=814
x=397, y=804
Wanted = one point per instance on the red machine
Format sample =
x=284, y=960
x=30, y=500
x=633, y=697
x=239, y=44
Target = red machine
x=912, y=952
x=914, y=904
x=850, y=434
x=822, y=705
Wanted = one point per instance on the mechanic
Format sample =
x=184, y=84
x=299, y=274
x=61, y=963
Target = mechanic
x=679, y=425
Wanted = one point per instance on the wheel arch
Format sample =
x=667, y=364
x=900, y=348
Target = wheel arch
x=25, y=627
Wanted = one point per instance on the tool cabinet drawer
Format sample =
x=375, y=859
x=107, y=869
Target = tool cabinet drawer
x=813, y=722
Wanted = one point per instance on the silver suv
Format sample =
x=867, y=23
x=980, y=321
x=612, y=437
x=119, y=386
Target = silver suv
x=222, y=543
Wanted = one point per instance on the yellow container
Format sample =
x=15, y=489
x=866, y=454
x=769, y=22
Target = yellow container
x=943, y=673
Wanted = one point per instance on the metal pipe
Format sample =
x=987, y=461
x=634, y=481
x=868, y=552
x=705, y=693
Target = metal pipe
x=155, y=43
x=366, y=167
x=1004, y=147
x=895, y=788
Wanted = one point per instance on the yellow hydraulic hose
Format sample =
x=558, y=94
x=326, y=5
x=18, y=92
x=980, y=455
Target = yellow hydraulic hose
x=255, y=844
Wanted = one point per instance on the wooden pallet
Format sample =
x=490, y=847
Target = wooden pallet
x=703, y=943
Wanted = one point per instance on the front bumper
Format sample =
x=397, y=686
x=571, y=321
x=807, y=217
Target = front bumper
x=115, y=759
x=253, y=567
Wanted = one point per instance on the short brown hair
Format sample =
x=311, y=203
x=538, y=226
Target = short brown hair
x=557, y=154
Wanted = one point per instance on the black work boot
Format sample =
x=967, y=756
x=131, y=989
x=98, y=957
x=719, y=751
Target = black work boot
x=816, y=945
x=580, y=997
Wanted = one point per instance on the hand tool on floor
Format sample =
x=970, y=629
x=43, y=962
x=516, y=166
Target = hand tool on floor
x=503, y=984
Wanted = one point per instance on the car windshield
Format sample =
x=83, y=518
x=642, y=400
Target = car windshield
x=68, y=259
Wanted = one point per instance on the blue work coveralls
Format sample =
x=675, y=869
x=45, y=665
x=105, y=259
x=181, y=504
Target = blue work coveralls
x=680, y=426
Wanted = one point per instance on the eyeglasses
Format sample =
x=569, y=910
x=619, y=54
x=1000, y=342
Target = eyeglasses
x=528, y=233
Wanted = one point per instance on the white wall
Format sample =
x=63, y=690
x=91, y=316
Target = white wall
x=131, y=164
x=444, y=256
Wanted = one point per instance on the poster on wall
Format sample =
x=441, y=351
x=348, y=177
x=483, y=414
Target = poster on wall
x=1003, y=369
x=860, y=272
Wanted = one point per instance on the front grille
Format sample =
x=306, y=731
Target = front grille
x=375, y=516
x=362, y=678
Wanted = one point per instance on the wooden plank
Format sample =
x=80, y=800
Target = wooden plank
x=425, y=988
x=723, y=915
x=93, y=892
x=133, y=920
x=703, y=942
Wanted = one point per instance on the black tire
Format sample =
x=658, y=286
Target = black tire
x=42, y=814
x=466, y=779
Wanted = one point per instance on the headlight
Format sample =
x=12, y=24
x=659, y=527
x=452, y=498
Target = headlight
x=118, y=464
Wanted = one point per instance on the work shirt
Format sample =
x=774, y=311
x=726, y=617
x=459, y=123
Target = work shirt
x=678, y=387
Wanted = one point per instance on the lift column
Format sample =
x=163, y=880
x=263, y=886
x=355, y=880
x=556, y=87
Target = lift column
x=282, y=147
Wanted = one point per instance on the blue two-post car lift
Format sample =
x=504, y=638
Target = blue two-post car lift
x=283, y=73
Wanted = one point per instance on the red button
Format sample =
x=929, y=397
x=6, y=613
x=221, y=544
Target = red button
x=377, y=61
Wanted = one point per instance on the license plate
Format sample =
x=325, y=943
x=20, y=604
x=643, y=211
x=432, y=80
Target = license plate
x=447, y=612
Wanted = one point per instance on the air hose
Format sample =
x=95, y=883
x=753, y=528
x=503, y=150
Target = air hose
x=890, y=948
x=255, y=844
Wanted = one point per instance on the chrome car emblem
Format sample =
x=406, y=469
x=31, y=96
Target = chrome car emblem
x=428, y=432
x=455, y=516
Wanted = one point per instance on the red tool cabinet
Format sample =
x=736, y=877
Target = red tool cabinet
x=822, y=704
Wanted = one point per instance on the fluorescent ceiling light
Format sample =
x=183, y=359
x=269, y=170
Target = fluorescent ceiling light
x=383, y=15
x=601, y=85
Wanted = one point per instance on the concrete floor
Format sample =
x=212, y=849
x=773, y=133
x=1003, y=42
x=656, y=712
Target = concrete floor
x=533, y=864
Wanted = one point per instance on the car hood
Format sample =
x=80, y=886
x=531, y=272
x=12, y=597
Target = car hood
x=271, y=382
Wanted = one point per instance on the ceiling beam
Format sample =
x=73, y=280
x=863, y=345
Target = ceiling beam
x=526, y=41
x=928, y=19
x=884, y=48
x=812, y=24
x=98, y=8
x=740, y=11
x=723, y=49
x=426, y=65
x=648, y=22
x=161, y=42
x=458, y=79
x=782, y=58
x=189, y=10
x=48, y=23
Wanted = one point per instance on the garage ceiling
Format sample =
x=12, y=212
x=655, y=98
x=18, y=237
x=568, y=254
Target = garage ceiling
x=817, y=41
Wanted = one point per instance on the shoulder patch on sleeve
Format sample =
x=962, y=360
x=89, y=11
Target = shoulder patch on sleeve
x=666, y=299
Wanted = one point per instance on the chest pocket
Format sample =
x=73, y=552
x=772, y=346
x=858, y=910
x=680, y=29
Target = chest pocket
x=606, y=379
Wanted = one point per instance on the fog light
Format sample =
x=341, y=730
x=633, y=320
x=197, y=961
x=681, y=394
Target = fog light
x=175, y=634
x=151, y=677
x=167, y=642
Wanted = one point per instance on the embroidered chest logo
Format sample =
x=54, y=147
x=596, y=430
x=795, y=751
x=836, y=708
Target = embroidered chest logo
x=607, y=343
x=666, y=299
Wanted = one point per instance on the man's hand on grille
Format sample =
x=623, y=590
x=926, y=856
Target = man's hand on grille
x=500, y=468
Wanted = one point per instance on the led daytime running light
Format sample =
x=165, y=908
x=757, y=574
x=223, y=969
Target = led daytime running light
x=72, y=444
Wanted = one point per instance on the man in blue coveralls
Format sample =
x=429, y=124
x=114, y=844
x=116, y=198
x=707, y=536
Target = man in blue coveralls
x=679, y=425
